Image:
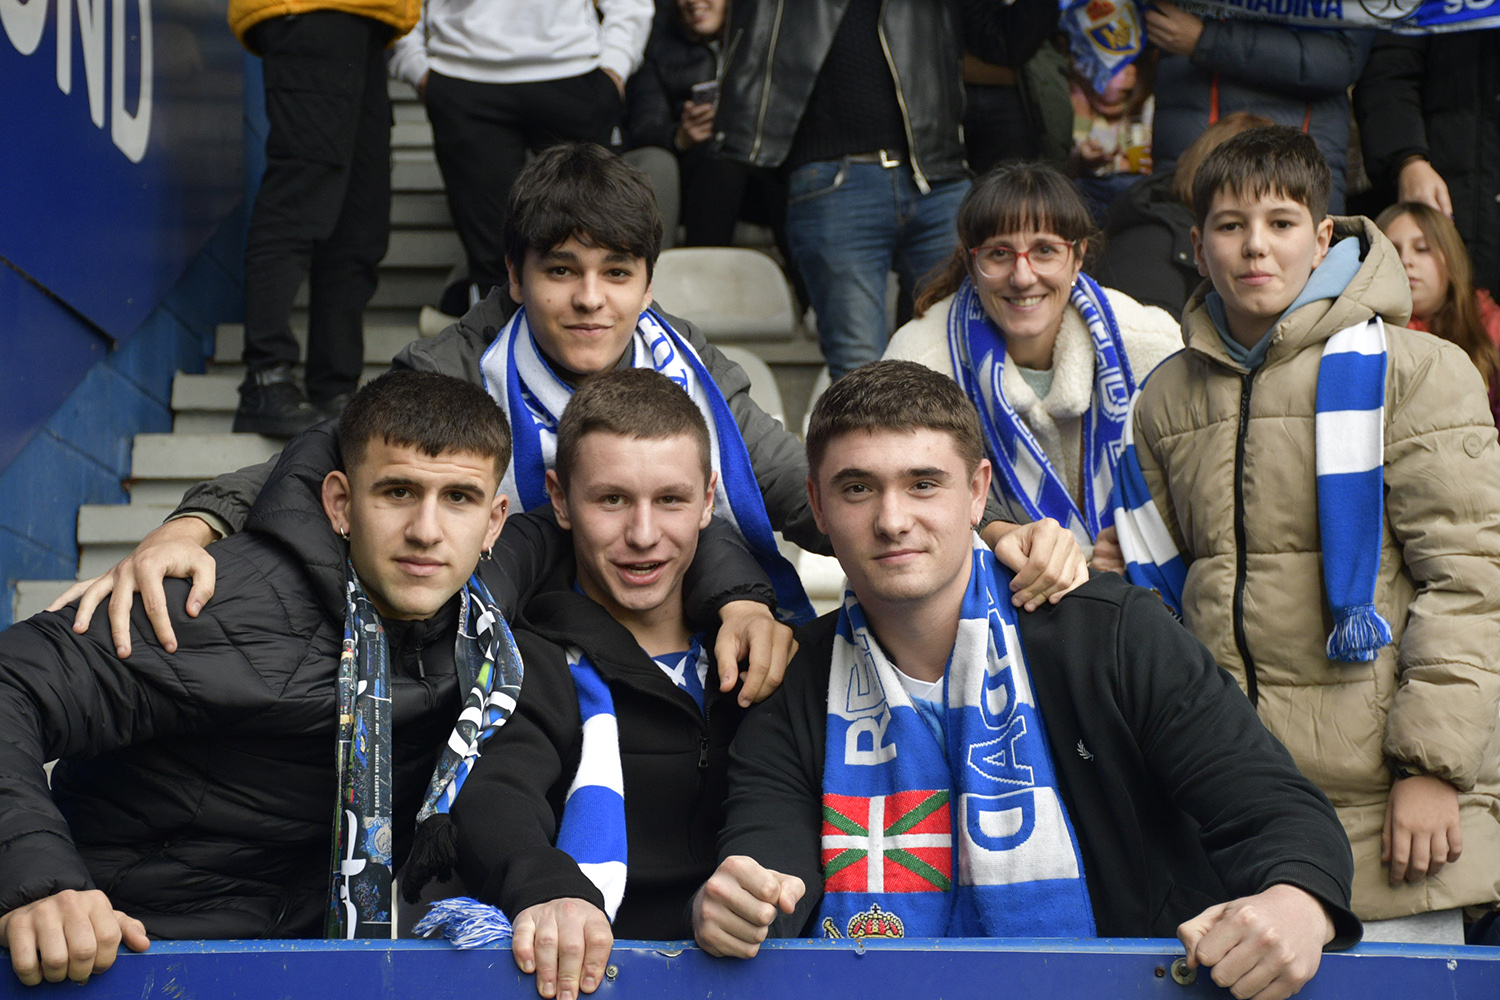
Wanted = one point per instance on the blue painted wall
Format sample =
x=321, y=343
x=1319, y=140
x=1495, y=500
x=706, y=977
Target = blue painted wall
x=116, y=262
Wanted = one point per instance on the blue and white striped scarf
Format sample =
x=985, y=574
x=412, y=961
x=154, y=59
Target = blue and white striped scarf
x=592, y=831
x=1350, y=459
x=489, y=668
x=971, y=839
x=1023, y=471
x=519, y=378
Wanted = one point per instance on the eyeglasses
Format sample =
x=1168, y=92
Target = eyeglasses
x=997, y=261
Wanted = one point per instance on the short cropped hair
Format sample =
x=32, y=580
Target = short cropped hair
x=894, y=396
x=1271, y=160
x=582, y=190
x=631, y=402
x=435, y=414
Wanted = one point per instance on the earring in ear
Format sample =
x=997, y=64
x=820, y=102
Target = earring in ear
x=489, y=552
x=344, y=533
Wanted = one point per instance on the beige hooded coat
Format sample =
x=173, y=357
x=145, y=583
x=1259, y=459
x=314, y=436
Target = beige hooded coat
x=1229, y=458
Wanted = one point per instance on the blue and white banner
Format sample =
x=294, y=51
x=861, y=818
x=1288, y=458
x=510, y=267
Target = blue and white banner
x=1105, y=36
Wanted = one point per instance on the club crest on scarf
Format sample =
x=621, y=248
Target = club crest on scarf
x=1025, y=479
x=519, y=378
x=490, y=670
x=970, y=835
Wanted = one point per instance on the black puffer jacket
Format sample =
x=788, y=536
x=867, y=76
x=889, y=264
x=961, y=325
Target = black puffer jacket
x=674, y=763
x=1294, y=76
x=1439, y=97
x=1148, y=246
x=197, y=786
x=776, y=48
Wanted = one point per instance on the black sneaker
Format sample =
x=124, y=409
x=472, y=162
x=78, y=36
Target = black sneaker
x=271, y=403
x=334, y=405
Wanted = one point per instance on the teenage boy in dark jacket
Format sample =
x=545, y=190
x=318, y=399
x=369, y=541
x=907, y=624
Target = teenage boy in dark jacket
x=1085, y=770
x=634, y=485
x=195, y=788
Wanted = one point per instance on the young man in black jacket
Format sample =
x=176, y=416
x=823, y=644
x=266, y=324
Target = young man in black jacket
x=1083, y=770
x=633, y=483
x=194, y=789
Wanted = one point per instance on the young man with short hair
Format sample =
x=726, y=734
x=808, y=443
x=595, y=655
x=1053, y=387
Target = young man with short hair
x=582, y=237
x=1333, y=480
x=936, y=765
x=197, y=786
x=608, y=638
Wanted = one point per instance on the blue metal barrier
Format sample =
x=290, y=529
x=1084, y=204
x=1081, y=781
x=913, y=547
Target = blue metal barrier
x=832, y=970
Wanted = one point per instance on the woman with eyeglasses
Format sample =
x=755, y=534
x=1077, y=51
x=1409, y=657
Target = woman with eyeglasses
x=1050, y=359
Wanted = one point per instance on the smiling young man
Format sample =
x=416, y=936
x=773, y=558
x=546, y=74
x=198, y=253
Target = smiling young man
x=1324, y=486
x=582, y=236
x=196, y=787
x=938, y=766
x=544, y=831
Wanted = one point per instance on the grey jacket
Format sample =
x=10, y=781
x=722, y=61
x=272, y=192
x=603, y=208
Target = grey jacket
x=777, y=456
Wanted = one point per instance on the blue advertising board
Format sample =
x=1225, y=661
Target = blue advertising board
x=835, y=970
x=121, y=139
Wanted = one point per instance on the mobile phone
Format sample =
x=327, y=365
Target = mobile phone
x=706, y=92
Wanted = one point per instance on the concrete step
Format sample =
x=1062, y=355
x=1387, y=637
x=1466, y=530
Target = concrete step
x=408, y=111
x=420, y=210
x=407, y=289
x=119, y=523
x=400, y=90
x=415, y=170
x=411, y=135
x=194, y=457
x=382, y=342
x=423, y=248
x=95, y=559
x=33, y=596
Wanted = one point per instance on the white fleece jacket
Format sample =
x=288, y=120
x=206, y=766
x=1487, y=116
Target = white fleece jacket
x=1150, y=336
x=523, y=41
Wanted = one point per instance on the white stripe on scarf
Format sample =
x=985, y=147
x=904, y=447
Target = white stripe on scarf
x=1023, y=472
x=1349, y=448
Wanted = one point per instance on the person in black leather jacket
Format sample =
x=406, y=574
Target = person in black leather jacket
x=860, y=103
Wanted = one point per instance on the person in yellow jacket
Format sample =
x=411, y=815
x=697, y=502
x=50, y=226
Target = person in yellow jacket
x=323, y=210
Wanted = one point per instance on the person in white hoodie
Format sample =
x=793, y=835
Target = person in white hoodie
x=1050, y=359
x=500, y=77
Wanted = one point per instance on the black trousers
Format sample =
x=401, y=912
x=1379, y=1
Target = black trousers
x=997, y=126
x=324, y=207
x=481, y=132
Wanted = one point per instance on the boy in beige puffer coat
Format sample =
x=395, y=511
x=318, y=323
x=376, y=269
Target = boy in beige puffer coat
x=1405, y=745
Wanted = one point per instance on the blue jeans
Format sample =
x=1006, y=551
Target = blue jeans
x=847, y=226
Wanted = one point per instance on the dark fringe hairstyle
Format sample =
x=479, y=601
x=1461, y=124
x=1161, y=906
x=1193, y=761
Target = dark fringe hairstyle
x=894, y=396
x=582, y=190
x=1270, y=160
x=432, y=413
x=631, y=402
x=1457, y=319
x=1011, y=197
